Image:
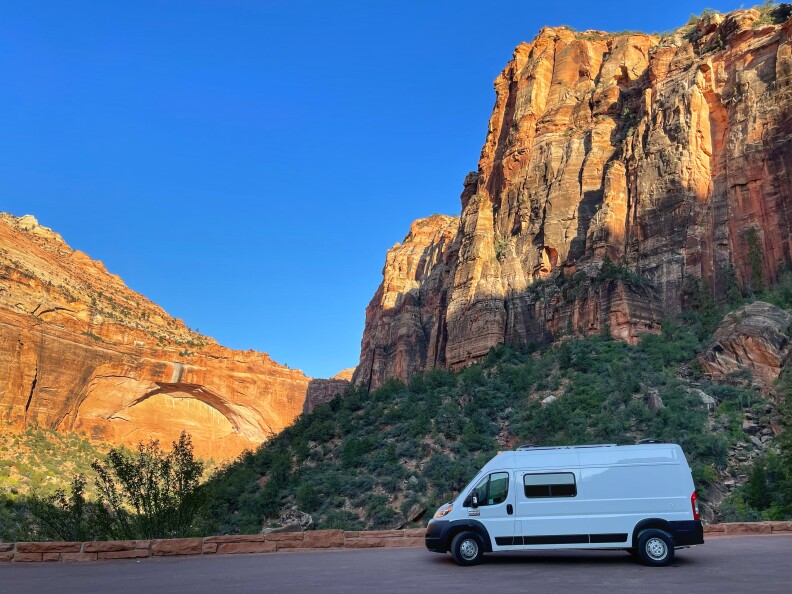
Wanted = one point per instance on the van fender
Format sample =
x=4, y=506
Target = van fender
x=457, y=526
x=658, y=523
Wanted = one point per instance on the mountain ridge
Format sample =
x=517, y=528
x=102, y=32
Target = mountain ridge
x=86, y=354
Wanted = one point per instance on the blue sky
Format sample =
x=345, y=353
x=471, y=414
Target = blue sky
x=246, y=164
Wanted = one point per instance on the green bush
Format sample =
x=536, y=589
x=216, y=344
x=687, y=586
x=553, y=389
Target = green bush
x=71, y=518
x=307, y=498
x=151, y=493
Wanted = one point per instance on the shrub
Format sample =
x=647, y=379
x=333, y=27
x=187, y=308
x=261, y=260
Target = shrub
x=308, y=499
x=71, y=517
x=151, y=493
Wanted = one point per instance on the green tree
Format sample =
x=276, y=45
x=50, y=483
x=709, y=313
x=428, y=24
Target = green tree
x=151, y=493
x=71, y=517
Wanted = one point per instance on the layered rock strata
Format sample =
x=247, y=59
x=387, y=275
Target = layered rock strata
x=405, y=320
x=621, y=175
x=756, y=337
x=80, y=351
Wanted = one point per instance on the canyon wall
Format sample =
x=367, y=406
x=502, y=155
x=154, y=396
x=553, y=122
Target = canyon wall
x=621, y=176
x=321, y=391
x=80, y=351
x=405, y=329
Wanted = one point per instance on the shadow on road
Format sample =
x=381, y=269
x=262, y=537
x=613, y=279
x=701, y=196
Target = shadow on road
x=615, y=559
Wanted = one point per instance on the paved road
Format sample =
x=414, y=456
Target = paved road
x=728, y=564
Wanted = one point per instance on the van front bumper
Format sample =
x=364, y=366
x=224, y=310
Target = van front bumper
x=436, y=536
x=438, y=532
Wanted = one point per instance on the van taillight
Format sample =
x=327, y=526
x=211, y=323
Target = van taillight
x=694, y=505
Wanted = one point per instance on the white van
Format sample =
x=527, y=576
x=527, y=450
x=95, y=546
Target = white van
x=637, y=498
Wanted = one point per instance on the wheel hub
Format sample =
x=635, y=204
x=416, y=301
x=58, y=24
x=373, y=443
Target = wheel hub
x=656, y=548
x=468, y=549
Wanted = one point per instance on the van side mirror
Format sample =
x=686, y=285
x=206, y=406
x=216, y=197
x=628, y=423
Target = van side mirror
x=471, y=500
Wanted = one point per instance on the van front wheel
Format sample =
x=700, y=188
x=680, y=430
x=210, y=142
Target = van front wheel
x=467, y=548
x=655, y=547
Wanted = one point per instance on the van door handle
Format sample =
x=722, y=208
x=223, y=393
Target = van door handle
x=509, y=509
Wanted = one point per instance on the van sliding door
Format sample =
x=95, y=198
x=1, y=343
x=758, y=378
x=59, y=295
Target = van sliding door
x=550, y=512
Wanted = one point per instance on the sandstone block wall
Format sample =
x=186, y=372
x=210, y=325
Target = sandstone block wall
x=26, y=552
x=747, y=528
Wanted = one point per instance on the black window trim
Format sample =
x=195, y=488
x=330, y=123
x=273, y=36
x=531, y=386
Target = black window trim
x=550, y=494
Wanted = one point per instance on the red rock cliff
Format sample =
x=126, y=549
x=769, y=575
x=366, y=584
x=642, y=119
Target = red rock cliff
x=405, y=321
x=619, y=174
x=321, y=391
x=79, y=351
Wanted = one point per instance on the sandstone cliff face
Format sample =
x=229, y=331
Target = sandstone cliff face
x=321, y=391
x=670, y=157
x=405, y=320
x=79, y=351
x=756, y=337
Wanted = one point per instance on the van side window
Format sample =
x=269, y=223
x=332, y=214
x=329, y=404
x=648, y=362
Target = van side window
x=493, y=489
x=558, y=484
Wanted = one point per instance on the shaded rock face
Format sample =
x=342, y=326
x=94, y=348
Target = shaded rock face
x=406, y=319
x=79, y=351
x=668, y=156
x=321, y=391
x=756, y=337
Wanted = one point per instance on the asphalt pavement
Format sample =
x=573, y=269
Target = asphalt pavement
x=753, y=565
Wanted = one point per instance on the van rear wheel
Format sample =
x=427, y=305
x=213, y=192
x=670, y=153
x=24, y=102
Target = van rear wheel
x=655, y=547
x=467, y=548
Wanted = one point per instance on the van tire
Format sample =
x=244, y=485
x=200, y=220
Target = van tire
x=655, y=547
x=467, y=548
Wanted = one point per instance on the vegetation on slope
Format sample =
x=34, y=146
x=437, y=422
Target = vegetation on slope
x=367, y=460
x=375, y=460
x=38, y=461
x=42, y=460
x=142, y=494
x=767, y=494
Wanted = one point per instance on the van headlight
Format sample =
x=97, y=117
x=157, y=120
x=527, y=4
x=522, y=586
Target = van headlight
x=444, y=510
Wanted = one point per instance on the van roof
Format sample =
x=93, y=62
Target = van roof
x=588, y=455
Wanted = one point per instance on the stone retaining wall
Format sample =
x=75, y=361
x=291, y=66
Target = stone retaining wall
x=312, y=540
x=747, y=528
x=269, y=543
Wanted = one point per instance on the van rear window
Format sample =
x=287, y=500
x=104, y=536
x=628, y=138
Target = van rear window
x=557, y=484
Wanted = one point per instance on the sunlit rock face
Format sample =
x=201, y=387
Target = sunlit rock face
x=79, y=351
x=620, y=173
